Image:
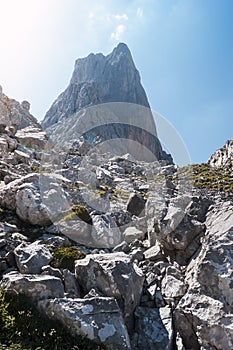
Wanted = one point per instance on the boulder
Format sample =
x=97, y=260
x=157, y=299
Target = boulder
x=105, y=233
x=32, y=137
x=51, y=271
x=36, y=198
x=173, y=285
x=21, y=157
x=77, y=230
x=36, y=287
x=203, y=316
x=154, y=253
x=31, y=257
x=98, y=319
x=115, y=276
x=180, y=235
x=132, y=233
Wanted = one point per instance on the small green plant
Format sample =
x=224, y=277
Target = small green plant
x=121, y=194
x=206, y=177
x=103, y=189
x=64, y=257
x=79, y=211
x=40, y=170
x=6, y=320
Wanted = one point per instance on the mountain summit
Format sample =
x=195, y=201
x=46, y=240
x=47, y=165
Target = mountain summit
x=99, y=79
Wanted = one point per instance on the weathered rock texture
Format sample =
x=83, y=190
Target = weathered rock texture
x=111, y=80
x=223, y=157
x=204, y=314
x=13, y=113
x=98, y=318
x=99, y=79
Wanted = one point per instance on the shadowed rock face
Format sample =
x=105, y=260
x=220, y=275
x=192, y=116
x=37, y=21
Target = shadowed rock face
x=99, y=79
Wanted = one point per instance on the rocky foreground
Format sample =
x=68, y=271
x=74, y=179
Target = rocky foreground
x=129, y=254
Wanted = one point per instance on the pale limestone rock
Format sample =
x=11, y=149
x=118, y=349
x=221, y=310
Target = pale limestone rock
x=98, y=319
x=204, y=314
x=113, y=275
x=132, y=233
x=31, y=257
x=32, y=137
x=21, y=157
x=36, y=287
x=104, y=233
x=223, y=157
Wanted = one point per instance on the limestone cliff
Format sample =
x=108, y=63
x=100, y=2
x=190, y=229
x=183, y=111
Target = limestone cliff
x=99, y=79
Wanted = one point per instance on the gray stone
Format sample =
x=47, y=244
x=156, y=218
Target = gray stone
x=154, y=253
x=151, y=332
x=52, y=271
x=136, y=255
x=71, y=284
x=203, y=316
x=21, y=157
x=55, y=241
x=114, y=275
x=77, y=230
x=98, y=319
x=173, y=287
x=132, y=233
x=105, y=233
x=122, y=247
x=23, y=196
x=223, y=157
x=20, y=116
x=31, y=257
x=34, y=286
x=32, y=137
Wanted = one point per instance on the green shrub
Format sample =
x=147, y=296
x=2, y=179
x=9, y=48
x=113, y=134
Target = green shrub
x=23, y=327
x=207, y=177
x=64, y=257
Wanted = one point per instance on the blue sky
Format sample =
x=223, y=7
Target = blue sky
x=182, y=48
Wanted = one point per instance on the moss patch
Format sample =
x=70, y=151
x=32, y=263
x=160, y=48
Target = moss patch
x=64, y=257
x=207, y=177
x=78, y=211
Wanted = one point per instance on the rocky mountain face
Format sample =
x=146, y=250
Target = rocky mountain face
x=223, y=157
x=105, y=100
x=131, y=254
x=99, y=79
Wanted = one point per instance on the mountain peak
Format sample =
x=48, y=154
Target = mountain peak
x=99, y=79
x=122, y=47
